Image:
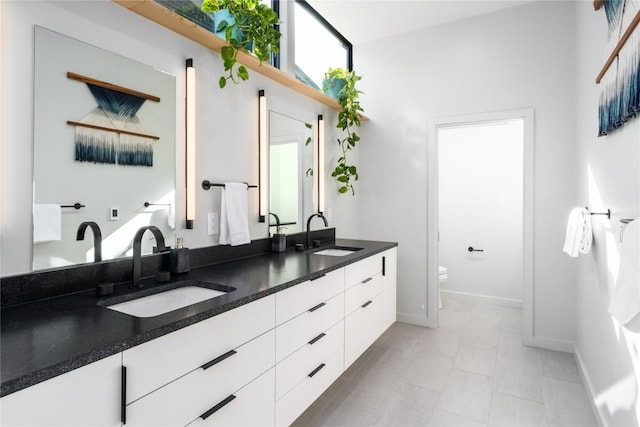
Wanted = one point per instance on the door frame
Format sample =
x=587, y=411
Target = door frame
x=528, y=210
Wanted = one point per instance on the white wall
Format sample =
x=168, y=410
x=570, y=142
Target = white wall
x=480, y=202
x=518, y=58
x=608, y=177
x=227, y=123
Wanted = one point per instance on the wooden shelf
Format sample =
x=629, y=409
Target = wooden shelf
x=174, y=22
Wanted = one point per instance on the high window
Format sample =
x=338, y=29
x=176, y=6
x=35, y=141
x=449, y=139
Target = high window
x=318, y=46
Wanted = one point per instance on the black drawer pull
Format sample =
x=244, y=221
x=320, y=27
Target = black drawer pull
x=216, y=408
x=366, y=304
x=312, y=309
x=318, y=277
x=219, y=359
x=315, y=371
x=316, y=339
x=367, y=280
x=123, y=395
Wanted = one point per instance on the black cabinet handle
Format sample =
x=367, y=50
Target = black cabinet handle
x=316, y=339
x=366, y=304
x=219, y=359
x=384, y=265
x=123, y=395
x=318, y=277
x=315, y=371
x=470, y=249
x=216, y=408
x=367, y=280
x=312, y=309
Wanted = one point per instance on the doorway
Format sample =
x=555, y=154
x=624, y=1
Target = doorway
x=480, y=223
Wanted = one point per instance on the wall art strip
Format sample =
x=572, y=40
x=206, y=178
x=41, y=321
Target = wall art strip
x=112, y=132
x=620, y=79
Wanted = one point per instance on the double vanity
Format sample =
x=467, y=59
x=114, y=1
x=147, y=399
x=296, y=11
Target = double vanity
x=247, y=340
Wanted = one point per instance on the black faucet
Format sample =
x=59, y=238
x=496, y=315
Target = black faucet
x=319, y=215
x=97, y=238
x=277, y=221
x=137, y=251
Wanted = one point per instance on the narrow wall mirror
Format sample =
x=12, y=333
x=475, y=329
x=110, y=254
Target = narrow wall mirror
x=290, y=179
x=104, y=137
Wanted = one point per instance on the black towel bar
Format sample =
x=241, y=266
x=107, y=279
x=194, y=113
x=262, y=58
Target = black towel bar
x=74, y=206
x=206, y=185
x=607, y=213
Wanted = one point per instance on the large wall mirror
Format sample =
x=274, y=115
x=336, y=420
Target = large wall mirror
x=104, y=137
x=290, y=176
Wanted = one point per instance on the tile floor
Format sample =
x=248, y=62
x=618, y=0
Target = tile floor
x=472, y=371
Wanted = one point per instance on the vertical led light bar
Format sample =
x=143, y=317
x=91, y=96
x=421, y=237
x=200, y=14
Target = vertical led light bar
x=320, y=166
x=190, y=139
x=262, y=156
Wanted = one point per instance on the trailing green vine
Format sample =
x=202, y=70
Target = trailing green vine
x=348, y=121
x=253, y=28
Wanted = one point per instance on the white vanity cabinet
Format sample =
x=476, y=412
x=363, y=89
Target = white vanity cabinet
x=179, y=377
x=309, y=343
x=259, y=364
x=369, y=302
x=87, y=396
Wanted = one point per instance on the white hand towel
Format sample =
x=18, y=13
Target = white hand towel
x=625, y=304
x=234, y=223
x=171, y=216
x=47, y=223
x=579, y=235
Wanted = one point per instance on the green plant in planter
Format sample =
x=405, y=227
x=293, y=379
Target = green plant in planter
x=253, y=27
x=348, y=121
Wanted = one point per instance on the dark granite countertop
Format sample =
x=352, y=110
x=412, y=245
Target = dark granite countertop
x=46, y=338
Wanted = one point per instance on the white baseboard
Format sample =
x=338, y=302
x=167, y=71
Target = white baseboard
x=552, y=344
x=415, y=320
x=464, y=296
x=591, y=394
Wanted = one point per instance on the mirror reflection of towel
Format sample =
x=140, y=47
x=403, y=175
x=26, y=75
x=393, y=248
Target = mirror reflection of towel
x=234, y=223
x=47, y=223
x=625, y=304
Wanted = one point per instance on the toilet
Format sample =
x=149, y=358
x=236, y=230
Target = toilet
x=442, y=278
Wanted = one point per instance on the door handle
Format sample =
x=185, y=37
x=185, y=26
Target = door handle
x=471, y=249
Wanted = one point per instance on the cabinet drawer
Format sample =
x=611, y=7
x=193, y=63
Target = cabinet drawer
x=181, y=401
x=361, y=329
x=297, y=366
x=157, y=362
x=292, y=404
x=250, y=406
x=297, y=299
x=297, y=332
x=361, y=270
x=362, y=292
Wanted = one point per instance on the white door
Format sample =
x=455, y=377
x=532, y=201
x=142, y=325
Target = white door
x=480, y=179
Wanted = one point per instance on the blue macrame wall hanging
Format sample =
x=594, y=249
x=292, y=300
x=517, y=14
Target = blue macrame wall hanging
x=112, y=132
x=620, y=76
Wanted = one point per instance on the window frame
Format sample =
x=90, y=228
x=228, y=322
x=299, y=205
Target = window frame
x=331, y=29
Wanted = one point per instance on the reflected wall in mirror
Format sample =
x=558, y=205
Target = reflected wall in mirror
x=290, y=179
x=131, y=150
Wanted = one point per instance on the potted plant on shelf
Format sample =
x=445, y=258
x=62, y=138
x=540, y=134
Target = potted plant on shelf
x=248, y=25
x=343, y=84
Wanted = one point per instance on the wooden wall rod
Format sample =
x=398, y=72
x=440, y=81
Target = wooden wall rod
x=621, y=43
x=111, y=86
x=126, y=132
x=597, y=4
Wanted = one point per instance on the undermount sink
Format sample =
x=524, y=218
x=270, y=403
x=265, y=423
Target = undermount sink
x=337, y=251
x=178, y=295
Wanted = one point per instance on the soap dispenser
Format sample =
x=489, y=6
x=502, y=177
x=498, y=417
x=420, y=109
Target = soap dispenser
x=279, y=240
x=179, y=258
